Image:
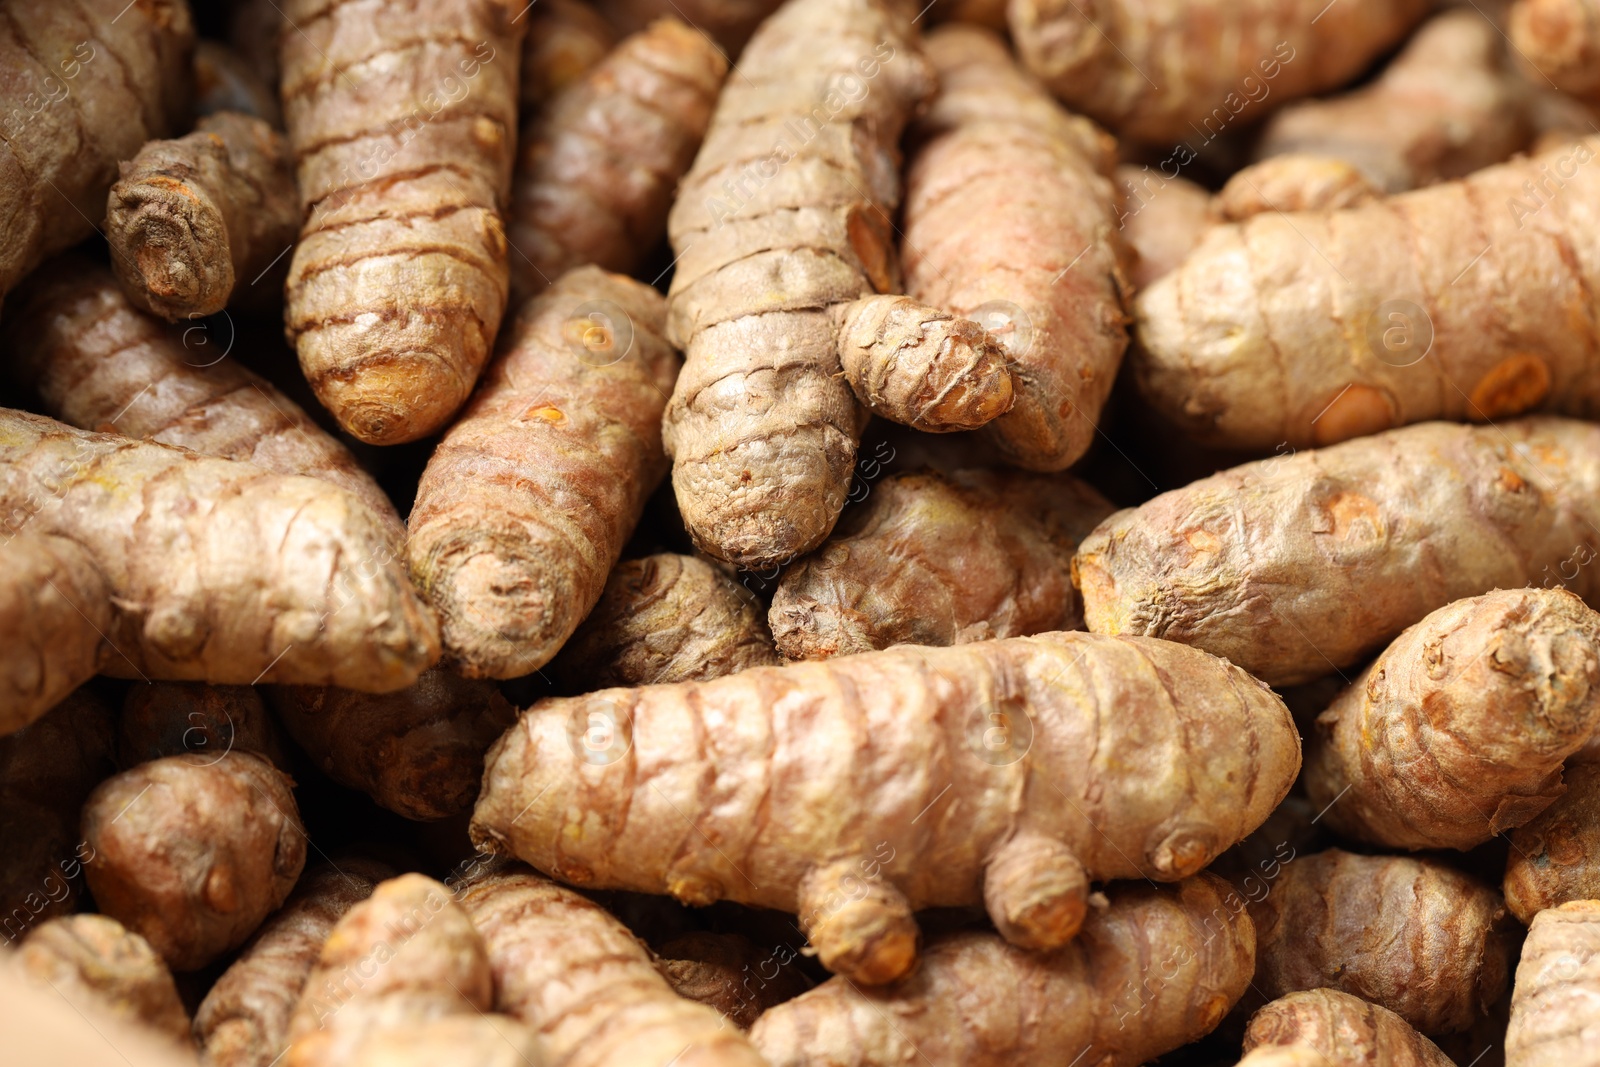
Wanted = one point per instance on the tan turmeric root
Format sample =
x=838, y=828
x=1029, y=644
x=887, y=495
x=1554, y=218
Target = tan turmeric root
x=784, y=214
x=93, y=360
x=1009, y=220
x=404, y=979
x=728, y=22
x=1558, y=42
x=665, y=618
x=172, y=718
x=46, y=771
x=1498, y=307
x=1458, y=731
x=244, y=1019
x=1301, y=182
x=195, y=221
x=101, y=968
x=1419, y=938
x=1158, y=968
x=527, y=502
x=597, y=167
x=226, y=80
x=417, y=752
x=402, y=120
x=1552, y=1003
x=1165, y=72
x=728, y=972
x=84, y=85
x=1298, y=565
x=52, y=584
x=565, y=40
x=576, y=977
x=1344, y=1031
x=930, y=559
x=885, y=736
x=218, y=570
x=1161, y=218
x=1555, y=858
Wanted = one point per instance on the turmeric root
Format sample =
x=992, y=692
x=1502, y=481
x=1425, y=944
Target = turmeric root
x=1558, y=978
x=885, y=736
x=728, y=22
x=242, y=848
x=103, y=969
x=53, y=584
x=1161, y=218
x=225, y=80
x=583, y=983
x=1555, y=858
x=931, y=559
x=784, y=214
x=172, y=718
x=1301, y=182
x=402, y=121
x=220, y=570
x=597, y=168
x=665, y=618
x=1344, y=1031
x=1558, y=41
x=96, y=362
x=417, y=752
x=192, y=221
x=1009, y=220
x=728, y=972
x=85, y=85
x=1156, y=969
x=1412, y=935
x=565, y=39
x=1499, y=305
x=46, y=771
x=1305, y=563
x=244, y=1019
x=528, y=500
x=1162, y=72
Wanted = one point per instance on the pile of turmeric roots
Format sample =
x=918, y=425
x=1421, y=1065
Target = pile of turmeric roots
x=832, y=533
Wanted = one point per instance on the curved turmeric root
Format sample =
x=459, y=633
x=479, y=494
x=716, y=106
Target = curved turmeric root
x=728, y=972
x=1555, y=858
x=57, y=611
x=1558, y=978
x=1340, y=1031
x=729, y=22
x=173, y=718
x=565, y=39
x=1301, y=182
x=104, y=969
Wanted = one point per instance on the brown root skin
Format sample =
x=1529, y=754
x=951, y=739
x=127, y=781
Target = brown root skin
x=1342, y=1030
x=557, y=955
x=1302, y=182
x=57, y=162
x=1151, y=72
x=598, y=166
x=174, y=718
x=934, y=559
x=417, y=752
x=1560, y=41
x=57, y=611
x=1558, y=979
x=729, y=22
x=1458, y=731
x=103, y=969
x=1415, y=936
x=244, y=1019
x=225, y=80
x=1161, y=219
x=1555, y=858
x=728, y=972
x=664, y=618
x=920, y=366
x=244, y=848
x=565, y=40
x=527, y=501
x=922, y=754
x=288, y=579
x=1307, y=562
x=399, y=280
x=762, y=427
x=980, y=1002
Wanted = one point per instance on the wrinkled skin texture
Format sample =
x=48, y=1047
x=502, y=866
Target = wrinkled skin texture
x=930, y=559
x=1149, y=68
x=979, y=1002
x=729, y=22
x=565, y=39
x=1556, y=857
x=1560, y=41
x=244, y=1019
x=1558, y=978
x=1161, y=220
x=172, y=718
x=728, y=972
x=1292, y=183
x=832, y=778
x=56, y=610
x=1305, y=563
x=193, y=851
x=128, y=82
x=1459, y=729
x=94, y=361
x=1342, y=1030
x=582, y=982
x=527, y=502
x=225, y=80
x=402, y=120
x=220, y=571
x=784, y=214
x=1414, y=936
x=1489, y=319
x=1010, y=219
x=597, y=166
x=665, y=618
x=103, y=969
x=417, y=752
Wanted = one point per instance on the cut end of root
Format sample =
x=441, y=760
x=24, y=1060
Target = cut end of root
x=390, y=400
x=174, y=265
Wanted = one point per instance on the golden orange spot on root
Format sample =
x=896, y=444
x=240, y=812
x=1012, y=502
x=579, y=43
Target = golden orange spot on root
x=1355, y=517
x=869, y=240
x=1512, y=386
x=1203, y=541
x=544, y=414
x=1356, y=412
x=162, y=181
x=1511, y=481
